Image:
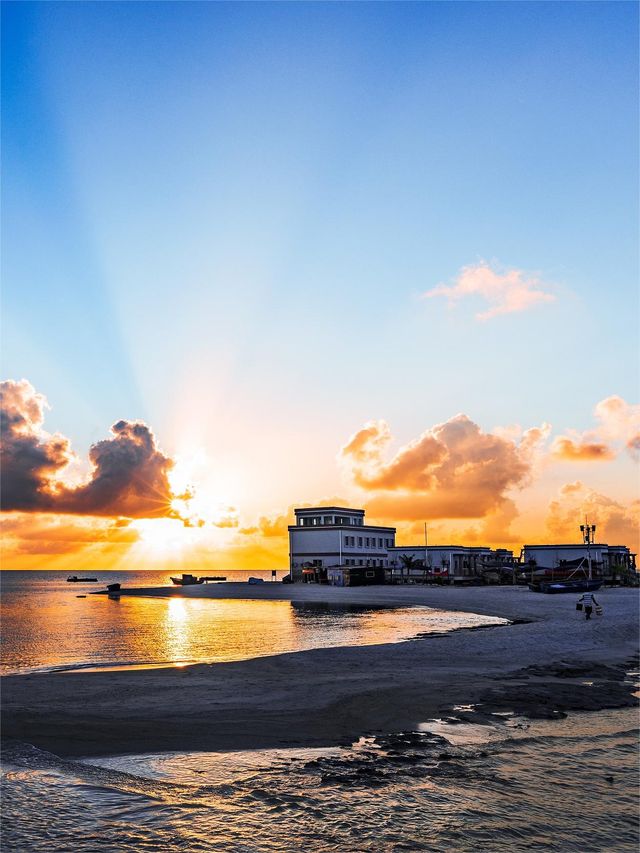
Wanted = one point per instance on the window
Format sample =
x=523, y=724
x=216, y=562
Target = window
x=367, y=541
x=328, y=519
x=370, y=574
x=360, y=562
x=359, y=541
x=379, y=543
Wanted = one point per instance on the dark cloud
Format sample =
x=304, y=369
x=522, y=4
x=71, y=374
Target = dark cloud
x=129, y=477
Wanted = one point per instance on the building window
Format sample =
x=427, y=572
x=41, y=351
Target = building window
x=370, y=574
x=359, y=541
x=379, y=543
x=360, y=562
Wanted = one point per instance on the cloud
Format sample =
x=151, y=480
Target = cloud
x=506, y=292
x=567, y=449
x=49, y=534
x=269, y=527
x=30, y=458
x=129, y=474
x=618, y=425
x=616, y=524
x=453, y=470
x=619, y=421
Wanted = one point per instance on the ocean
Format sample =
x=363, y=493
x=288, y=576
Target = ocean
x=554, y=785
x=45, y=625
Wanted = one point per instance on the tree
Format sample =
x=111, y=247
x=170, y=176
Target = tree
x=408, y=562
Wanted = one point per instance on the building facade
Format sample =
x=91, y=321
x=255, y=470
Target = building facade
x=608, y=561
x=455, y=563
x=332, y=536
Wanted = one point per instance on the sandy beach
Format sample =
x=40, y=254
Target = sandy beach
x=549, y=662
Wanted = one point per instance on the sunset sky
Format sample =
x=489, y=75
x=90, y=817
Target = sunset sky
x=264, y=255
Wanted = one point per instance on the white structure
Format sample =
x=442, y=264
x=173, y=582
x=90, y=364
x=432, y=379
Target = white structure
x=610, y=560
x=335, y=536
x=449, y=562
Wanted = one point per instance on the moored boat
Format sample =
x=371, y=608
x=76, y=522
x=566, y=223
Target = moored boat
x=567, y=586
x=76, y=579
x=186, y=580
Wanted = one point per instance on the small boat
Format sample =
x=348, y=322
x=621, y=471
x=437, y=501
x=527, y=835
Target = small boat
x=113, y=587
x=76, y=579
x=255, y=580
x=187, y=580
x=567, y=586
x=208, y=578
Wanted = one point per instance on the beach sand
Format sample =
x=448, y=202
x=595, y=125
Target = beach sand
x=549, y=662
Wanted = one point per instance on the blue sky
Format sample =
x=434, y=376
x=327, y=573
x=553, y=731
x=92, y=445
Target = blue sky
x=219, y=217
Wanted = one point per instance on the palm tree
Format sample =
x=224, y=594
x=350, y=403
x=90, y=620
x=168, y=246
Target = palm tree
x=408, y=562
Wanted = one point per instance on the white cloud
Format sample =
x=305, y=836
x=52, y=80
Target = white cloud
x=506, y=292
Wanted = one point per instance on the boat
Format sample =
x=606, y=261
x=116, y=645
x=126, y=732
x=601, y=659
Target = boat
x=113, y=587
x=567, y=586
x=208, y=578
x=186, y=580
x=76, y=579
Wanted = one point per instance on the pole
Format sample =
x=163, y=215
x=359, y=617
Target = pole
x=426, y=564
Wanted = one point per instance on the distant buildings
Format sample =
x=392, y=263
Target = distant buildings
x=333, y=545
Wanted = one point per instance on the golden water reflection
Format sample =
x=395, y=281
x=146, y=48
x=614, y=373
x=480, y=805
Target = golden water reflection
x=57, y=629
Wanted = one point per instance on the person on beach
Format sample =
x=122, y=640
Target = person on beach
x=588, y=602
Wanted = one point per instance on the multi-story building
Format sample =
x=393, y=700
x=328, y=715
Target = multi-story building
x=329, y=536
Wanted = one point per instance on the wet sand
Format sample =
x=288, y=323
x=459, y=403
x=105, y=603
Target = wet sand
x=550, y=661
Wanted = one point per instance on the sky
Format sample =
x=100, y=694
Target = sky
x=262, y=255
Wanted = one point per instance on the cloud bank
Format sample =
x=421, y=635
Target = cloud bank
x=129, y=474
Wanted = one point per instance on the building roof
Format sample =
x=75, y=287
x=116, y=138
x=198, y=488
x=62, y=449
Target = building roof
x=353, y=529
x=328, y=509
x=440, y=548
x=574, y=545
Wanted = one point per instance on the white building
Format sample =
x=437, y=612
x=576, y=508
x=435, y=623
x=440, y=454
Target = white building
x=329, y=536
x=448, y=562
x=608, y=560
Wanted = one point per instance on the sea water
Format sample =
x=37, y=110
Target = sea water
x=561, y=785
x=46, y=626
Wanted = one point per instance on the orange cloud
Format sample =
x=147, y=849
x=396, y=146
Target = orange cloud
x=453, y=470
x=129, y=474
x=619, y=421
x=618, y=425
x=47, y=534
x=616, y=524
x=268, y=527
x=507, y=292
x=567, y=449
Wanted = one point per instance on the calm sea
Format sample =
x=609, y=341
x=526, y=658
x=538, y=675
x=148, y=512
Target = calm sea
x=561, y=785
x=48, y=623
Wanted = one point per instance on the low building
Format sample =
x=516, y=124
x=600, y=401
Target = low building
x=331, y=536
x=612, y=562
x=355, y=575
x=454, y=563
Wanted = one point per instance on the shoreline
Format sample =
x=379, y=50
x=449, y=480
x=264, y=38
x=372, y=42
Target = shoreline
x=330, y=696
